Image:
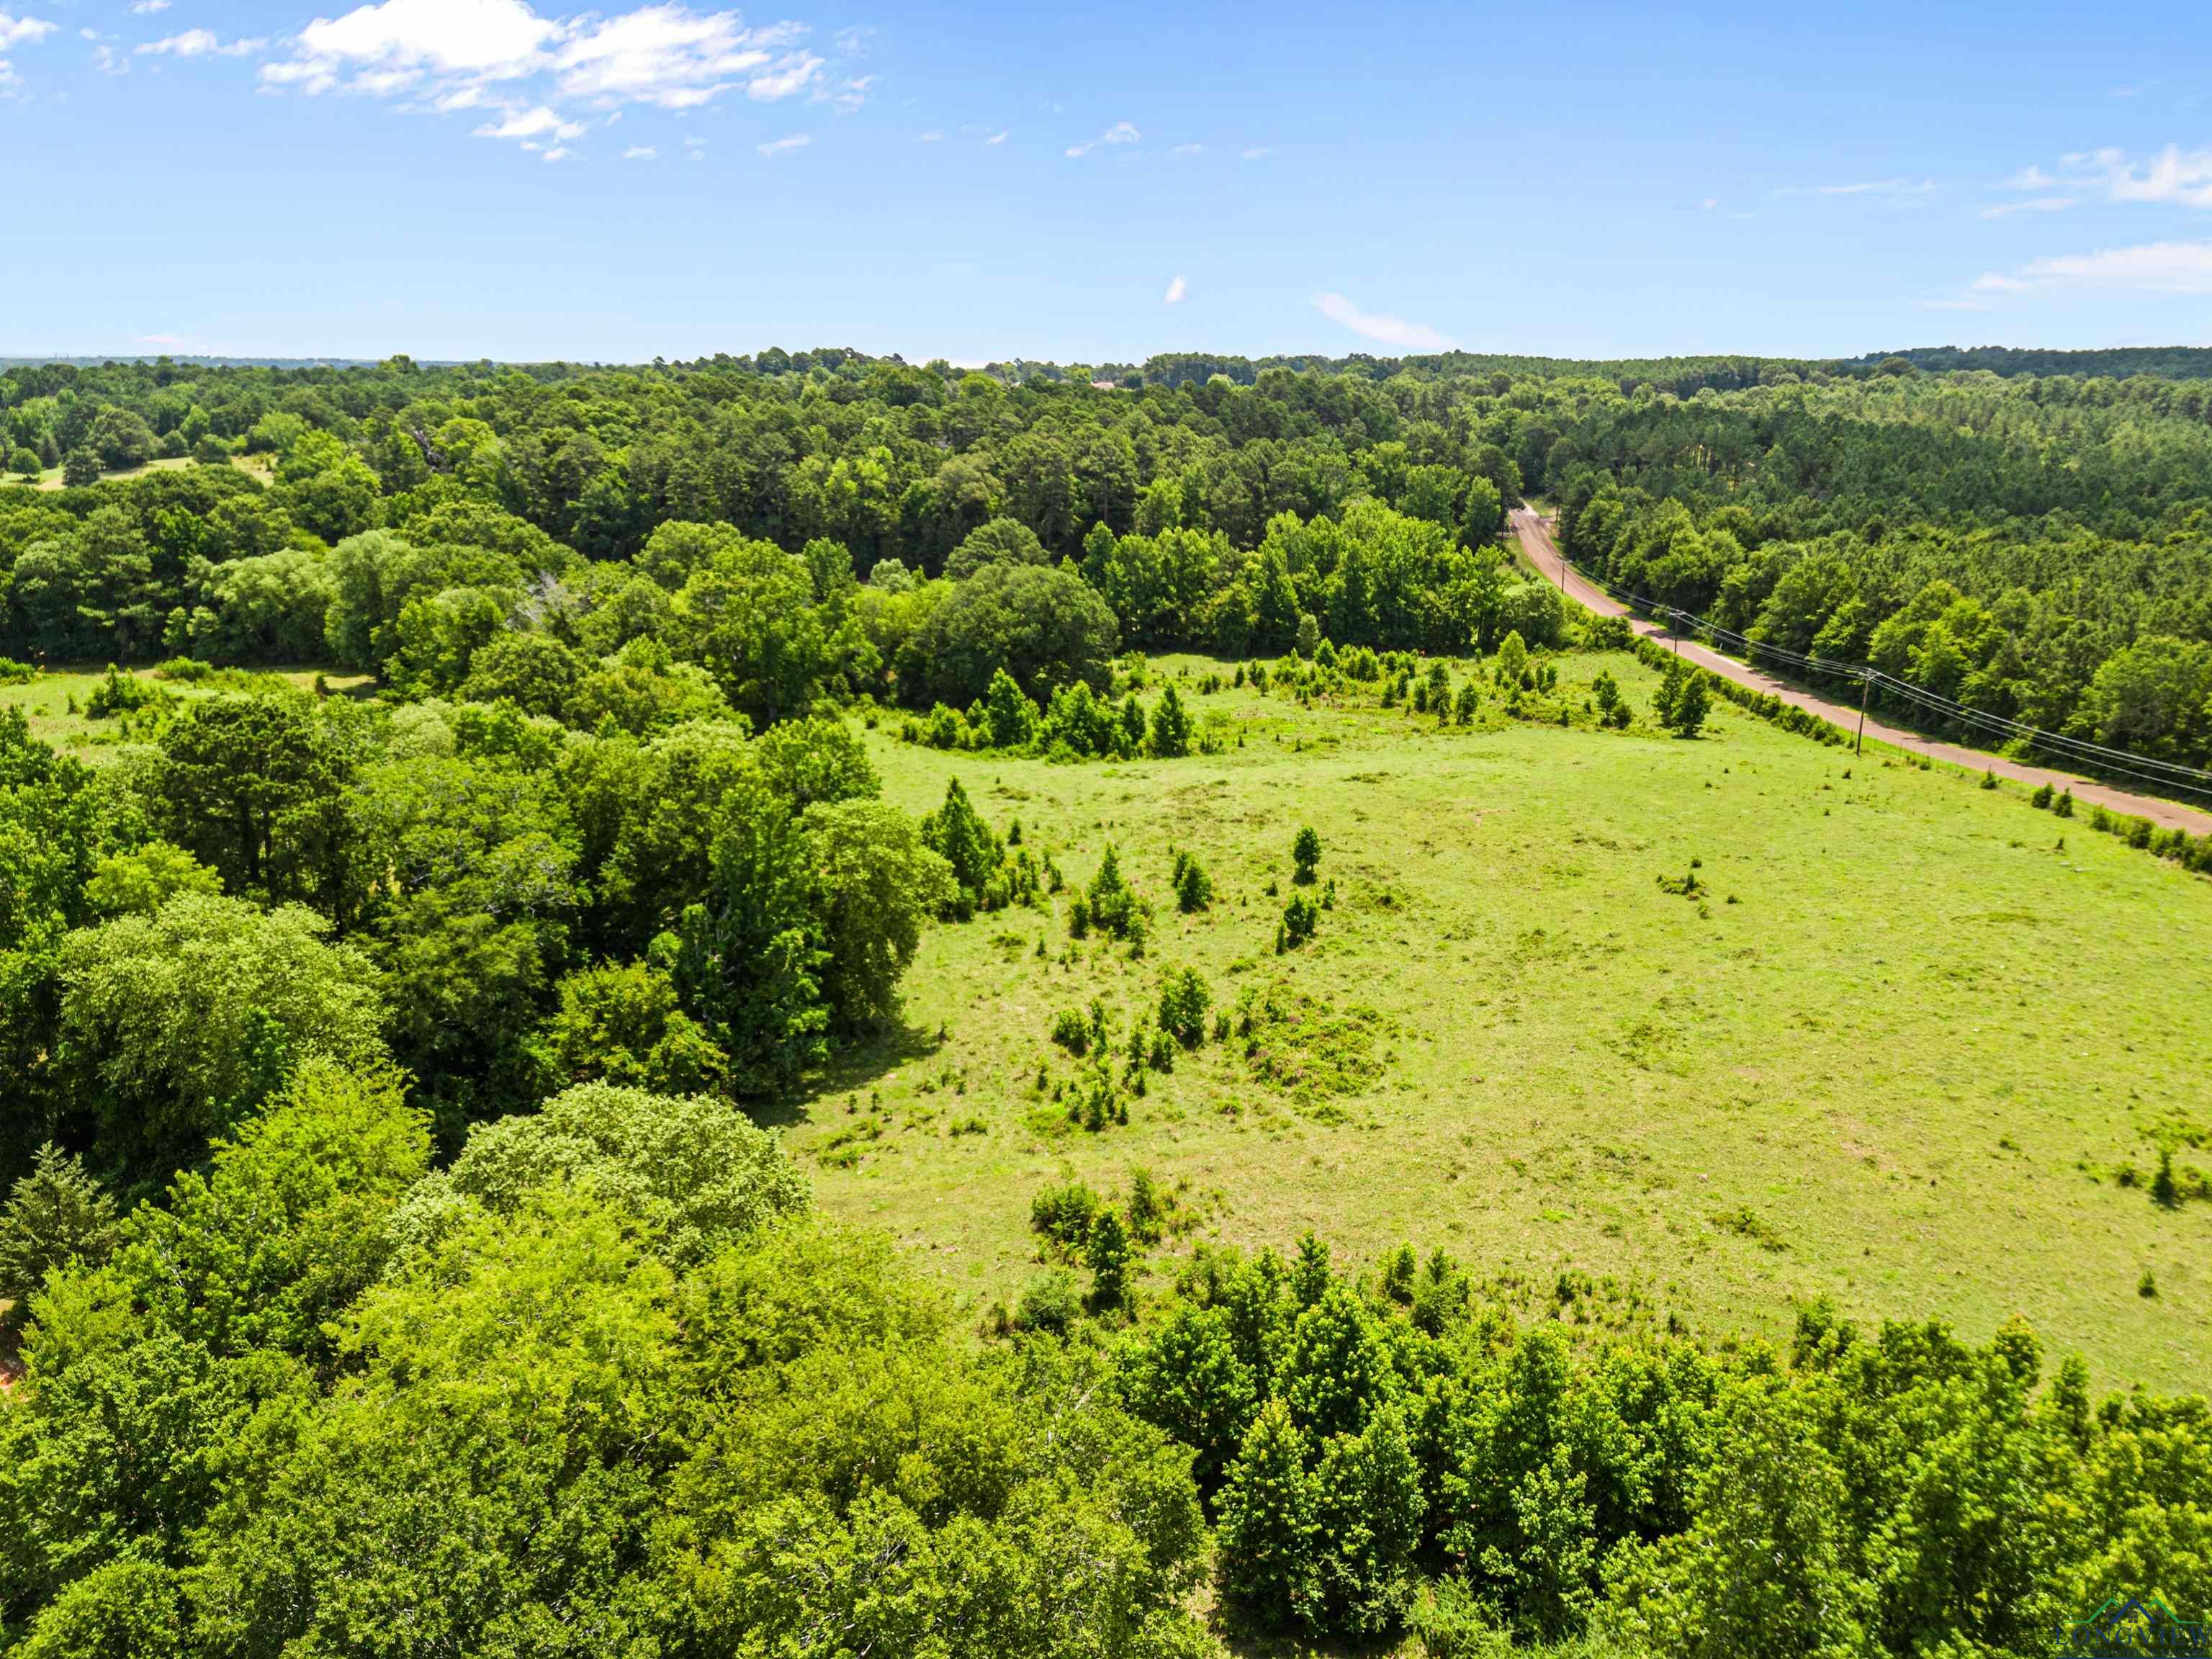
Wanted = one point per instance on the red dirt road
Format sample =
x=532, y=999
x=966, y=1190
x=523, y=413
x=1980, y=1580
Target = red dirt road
x=1544, y=555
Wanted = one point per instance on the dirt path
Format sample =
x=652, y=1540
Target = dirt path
x=1544, y=555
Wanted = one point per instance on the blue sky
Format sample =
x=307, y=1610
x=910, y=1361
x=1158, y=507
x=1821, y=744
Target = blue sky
x=513, y=178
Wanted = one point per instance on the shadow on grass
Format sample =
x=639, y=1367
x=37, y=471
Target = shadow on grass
x=853, y=1066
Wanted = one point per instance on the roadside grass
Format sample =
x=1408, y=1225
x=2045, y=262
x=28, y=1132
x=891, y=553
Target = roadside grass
x=1895, y=1044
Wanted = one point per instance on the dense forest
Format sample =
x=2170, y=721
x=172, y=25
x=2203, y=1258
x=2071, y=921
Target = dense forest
x=396, y=1265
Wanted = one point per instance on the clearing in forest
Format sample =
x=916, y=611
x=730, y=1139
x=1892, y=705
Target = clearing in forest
x=1731, y=1023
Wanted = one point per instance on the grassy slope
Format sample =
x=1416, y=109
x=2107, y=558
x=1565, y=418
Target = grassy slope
x=1876, y=1076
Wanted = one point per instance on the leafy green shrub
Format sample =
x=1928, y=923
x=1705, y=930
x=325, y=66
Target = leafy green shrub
x=1064, y=1213
x=1300, y=917
x=1072, y=1032
x=1052, y=1302
x=1306, y=856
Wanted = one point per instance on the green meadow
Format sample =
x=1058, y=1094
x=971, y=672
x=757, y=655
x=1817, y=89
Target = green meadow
x=1900, y=1044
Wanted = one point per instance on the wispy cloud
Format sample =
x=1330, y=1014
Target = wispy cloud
x=2151, y=268
x=776, y=147
x=641, y=153
x=929, y=138
x=148, y=8
x=465, y=53
x=1121, y=133
x=199, y=43
x=1388, y=331
x=1177, y=289
x=1189, y=149
x=2174, y=177
x=996, y=138
x=1258, y=152
x=2033, y=204
x=1878, y=187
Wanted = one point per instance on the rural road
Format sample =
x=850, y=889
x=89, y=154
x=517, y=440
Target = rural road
x=1543, y=553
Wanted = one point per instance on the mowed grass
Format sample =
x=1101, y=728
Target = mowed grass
x=53, y=706
x=1900, y=1069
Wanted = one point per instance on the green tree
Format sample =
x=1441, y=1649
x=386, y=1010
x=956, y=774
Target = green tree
x=1010, y=717
x=971, y=849
x=1170, y=732
x=1044, y=626
x=1184, y=1004
x=140, y=881
x=56, y=1216
x=175, y=1026
x=1306, y=856
x=252, y=787
x=1268, y=1519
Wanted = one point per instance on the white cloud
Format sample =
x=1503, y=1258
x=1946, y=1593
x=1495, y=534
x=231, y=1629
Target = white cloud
x=2174, y=178
x=461, y=54
x=776, y=147
x=1388, y=331
x=2152, y=268
x=22, y=30
x=1955, y=305
x=1878, y=188
x=1258, y=152
x=557, y=152
x=199, y=43
x=2034, y=204
x=1121, y=133
x=2171, y=177
x=794, y=73
x=1190, y=149
x=474, y=40
x=148, y=8
x=641, y=153
x=996, y=138
x=930, y=138
x=1177, y=289
x=540, y=123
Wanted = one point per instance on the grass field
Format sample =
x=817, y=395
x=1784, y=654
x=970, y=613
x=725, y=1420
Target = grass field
x=1895, y=1053
x=53, y=705
x=262, y=467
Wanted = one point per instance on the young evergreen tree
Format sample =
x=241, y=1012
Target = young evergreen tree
x=957, y=833
x=57, y=1215
x=1305, y=855
x=1268, y=1520
x=1170, y=727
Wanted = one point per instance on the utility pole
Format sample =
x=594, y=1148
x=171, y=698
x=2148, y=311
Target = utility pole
x=1866, y=681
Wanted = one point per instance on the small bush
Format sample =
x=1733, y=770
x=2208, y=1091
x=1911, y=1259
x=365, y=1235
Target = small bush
x=1306, y=854
x=1300, y=917
x=1052, y=1302
x=1072, y=1032
x=1064, y=1213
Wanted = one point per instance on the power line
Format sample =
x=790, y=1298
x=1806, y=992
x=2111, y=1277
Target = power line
x=2164, y=774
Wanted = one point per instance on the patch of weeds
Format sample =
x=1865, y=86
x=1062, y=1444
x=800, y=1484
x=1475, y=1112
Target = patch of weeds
x=1314, y=1053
